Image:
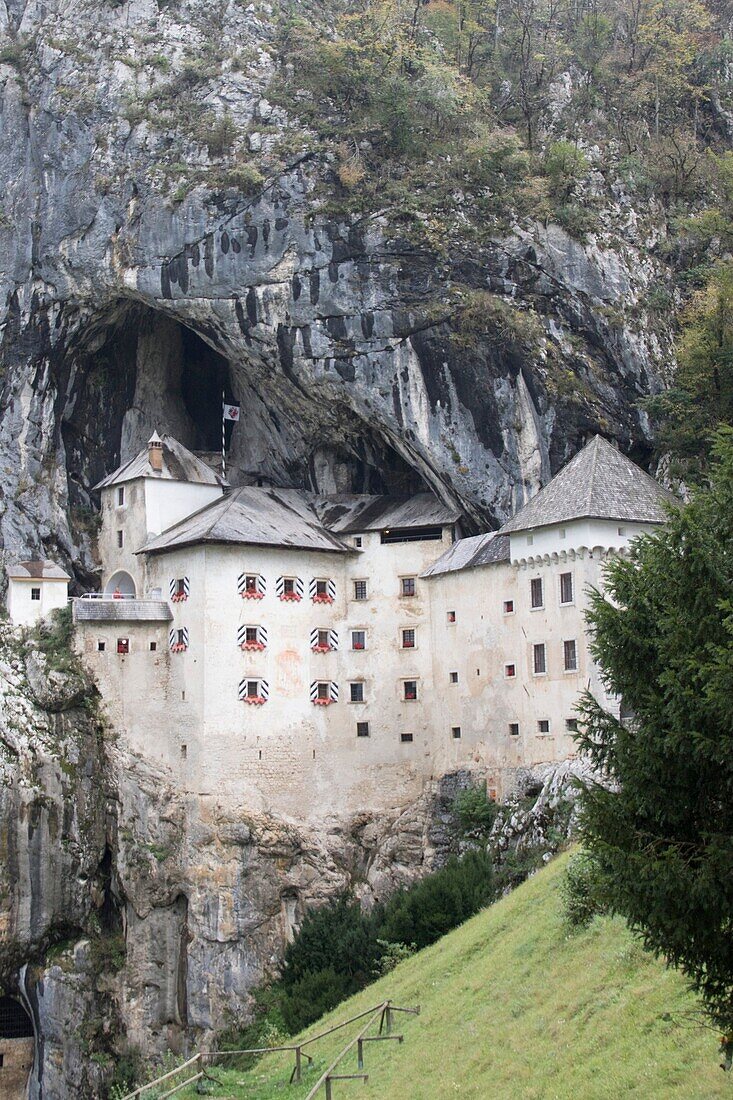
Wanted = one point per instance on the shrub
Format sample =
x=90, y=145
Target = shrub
x=476, y=812
x=582, y=890
x=565, y=166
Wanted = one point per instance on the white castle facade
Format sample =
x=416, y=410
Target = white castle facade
x=321, y=655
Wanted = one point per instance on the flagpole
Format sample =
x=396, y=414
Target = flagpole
x=223, y=438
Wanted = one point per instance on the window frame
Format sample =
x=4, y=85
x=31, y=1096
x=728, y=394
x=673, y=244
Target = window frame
x=544, y=732
x=35, y=598
x=451, y=617
x=354, y=590
x=120, y=538
x=123, y=647
x=508, y=607
x=120, y=497
x=361, y=648
x=409, y=698
x=565, y=643
x=571, y=601
x=532, y=605
x=513, y=674
x=363, y=730
x=407, y=580
x=515, y=729
x=408, y=630
x=456, y=733
x=536, y=647
x=357, y=684
x=453, y=676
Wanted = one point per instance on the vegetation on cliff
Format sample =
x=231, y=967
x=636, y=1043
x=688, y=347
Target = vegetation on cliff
x=662, y=832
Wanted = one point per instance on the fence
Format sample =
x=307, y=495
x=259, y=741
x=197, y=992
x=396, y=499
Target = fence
x=383, y=1012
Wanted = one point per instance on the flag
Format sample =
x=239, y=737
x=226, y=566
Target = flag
x=231, y=412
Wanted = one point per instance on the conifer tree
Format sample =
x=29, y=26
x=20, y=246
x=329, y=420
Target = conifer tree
x=662, y=831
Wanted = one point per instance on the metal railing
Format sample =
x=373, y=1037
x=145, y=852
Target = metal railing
x=382, y=1012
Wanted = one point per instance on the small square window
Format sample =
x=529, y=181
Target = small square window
x=101, y=646
x=408, y=638
x=570, y=655
x=571, y=725
x=455, y=732
x=120, y=539
x=120, y=496
x=622, y=530
x=35, y=593
x=153, y=647
x=537, y=599
x=358, y=542
x=250, y=583
x=253, y=689
x=251, y=634
x=356, y=689
x=451, y=616
x=543, y=725
x=454, y=677
x=539, y=659
x=408, y=586
x=508, y=607
x=123, y=645
x=288, y=585
x=362, y=729
x=321, y=588
x=358, y=639
x=514, y=729
x=566, y=588
x=410, y=690
x=510, y=671
x=405, y=737
x=323, y=691
x=360, y=590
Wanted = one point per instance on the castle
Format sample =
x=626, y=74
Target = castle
x=315, y=655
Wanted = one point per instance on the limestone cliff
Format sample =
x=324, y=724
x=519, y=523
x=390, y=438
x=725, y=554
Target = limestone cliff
x=165, y=235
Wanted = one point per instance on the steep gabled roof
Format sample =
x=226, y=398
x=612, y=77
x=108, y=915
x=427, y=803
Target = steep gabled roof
x=179, y=464
x=37, y=570
x=598, y=483
x=486, y=549
x=253, y=516
x=349, y=514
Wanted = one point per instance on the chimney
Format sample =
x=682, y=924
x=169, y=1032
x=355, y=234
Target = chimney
x=155, y=453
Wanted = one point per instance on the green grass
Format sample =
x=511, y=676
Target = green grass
x=514, y=1005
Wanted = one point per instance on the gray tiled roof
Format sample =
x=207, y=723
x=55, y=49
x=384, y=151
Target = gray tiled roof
x=598, y=483
x=486, y=549
x=254, y=516
x=350, y=514
x=37, y=570
x=119, y=611
x=179, y=464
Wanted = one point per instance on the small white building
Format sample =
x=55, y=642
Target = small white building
x=311, y=654
x=35, y=588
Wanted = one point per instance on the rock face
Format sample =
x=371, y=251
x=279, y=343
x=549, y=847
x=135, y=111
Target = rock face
x=128, y=302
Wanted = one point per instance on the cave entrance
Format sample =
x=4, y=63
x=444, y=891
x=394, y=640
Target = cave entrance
x=17, y=1049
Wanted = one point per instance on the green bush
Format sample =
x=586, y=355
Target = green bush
x=582, y=890
x=476, y=812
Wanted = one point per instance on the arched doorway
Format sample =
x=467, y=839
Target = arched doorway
x=17, y=1047
x=120, y=583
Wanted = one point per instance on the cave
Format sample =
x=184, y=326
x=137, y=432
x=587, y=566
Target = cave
x=17, y=1049
x=133, y=369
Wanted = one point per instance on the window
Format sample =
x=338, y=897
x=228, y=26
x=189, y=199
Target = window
x=514, y=729
x=408, y=638
x=539, y=658
x=570, y=655
x=530, y=540
x=123, y=645
x=622, y=530
x=101, y=645
x=510, y=671
x=408, y=586
x=566, y=588
x=563, y=533
x=455, y=732
x=179, y=589
x=35, y=593
x=360, y=590
x=358, y=639
x=250, y=633
x=543, y=725
x=356, y=691
x=451, y=616
x=120, y=539
x=412, y=534
x=536, y=599
x=357, y=542
x=251, y=637
x=289, y=588
x=253, y=691
x=322, y=590
x=322, y=692
x=405, y=737
x=410, y=690
x=121, y=496
x=251, y=586
x=323, y=640
x=571, y=725
x=508, y=607
x=362, y=729
x=153, y=647
x=178, y=639
x=184, y=752
x=454, y=677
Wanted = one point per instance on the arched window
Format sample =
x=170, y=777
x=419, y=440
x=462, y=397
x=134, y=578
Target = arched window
x=120, y=585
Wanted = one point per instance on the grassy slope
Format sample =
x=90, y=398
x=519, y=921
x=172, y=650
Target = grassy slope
x=514, y=1006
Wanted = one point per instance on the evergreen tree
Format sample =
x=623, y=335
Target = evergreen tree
x=662, y=833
